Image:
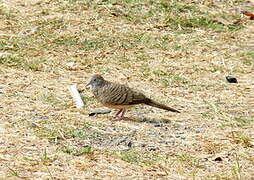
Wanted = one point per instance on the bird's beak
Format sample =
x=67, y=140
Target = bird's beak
x=88, y=84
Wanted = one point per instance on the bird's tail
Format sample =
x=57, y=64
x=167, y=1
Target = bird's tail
x=160, y=106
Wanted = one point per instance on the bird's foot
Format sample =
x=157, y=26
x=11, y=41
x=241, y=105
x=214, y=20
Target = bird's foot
x=120, y=115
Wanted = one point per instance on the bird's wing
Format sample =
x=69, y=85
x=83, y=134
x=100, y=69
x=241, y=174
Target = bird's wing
x=118, y=94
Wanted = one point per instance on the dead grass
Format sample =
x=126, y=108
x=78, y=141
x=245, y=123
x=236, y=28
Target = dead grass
x=177, y=52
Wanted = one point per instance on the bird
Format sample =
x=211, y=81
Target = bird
x=119, y=96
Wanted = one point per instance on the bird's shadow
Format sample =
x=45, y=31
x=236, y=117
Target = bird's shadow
x=140, y=119
x=151, y=120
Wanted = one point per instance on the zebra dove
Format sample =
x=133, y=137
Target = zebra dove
x=118, y=96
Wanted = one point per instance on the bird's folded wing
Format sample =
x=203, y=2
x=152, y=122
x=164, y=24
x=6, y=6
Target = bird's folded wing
x=117, y=94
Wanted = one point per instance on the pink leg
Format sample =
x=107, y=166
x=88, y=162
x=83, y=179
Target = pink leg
x=117, y=114
x=123, y=112
x=121, y=115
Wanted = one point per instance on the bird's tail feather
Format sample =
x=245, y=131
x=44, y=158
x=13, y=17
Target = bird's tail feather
x=160, y=106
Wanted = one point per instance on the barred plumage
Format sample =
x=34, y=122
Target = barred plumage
x=119, y=96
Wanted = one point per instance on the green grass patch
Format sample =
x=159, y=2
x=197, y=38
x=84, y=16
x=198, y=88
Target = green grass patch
x=242, y=139
x=130, y=157
x=189, y=16
x=189, y=160
x=11, y=61
x=77, y=151
x=19, y=62
x=243, y=121
x=50, y=98
x=248, y=58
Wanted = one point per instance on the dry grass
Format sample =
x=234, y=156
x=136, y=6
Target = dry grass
x=178, y=52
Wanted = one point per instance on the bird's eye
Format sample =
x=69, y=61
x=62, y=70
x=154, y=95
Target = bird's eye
x=94, y=80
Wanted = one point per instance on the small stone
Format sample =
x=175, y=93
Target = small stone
x=92, y=114
x=218, y=159
x=70, y=64
x=129, y=144
x=157, y=125
x=118, y=12
x=143, y=145
x=152, y=149
x=231, y=79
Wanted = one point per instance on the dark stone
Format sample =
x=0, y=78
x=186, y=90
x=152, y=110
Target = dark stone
x=157, y=125
x=152, y=149
x=129, y=144
x=231, y=79
x=92, y=114
x=218, y=159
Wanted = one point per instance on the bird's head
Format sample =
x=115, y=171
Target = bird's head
x=96, y=80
